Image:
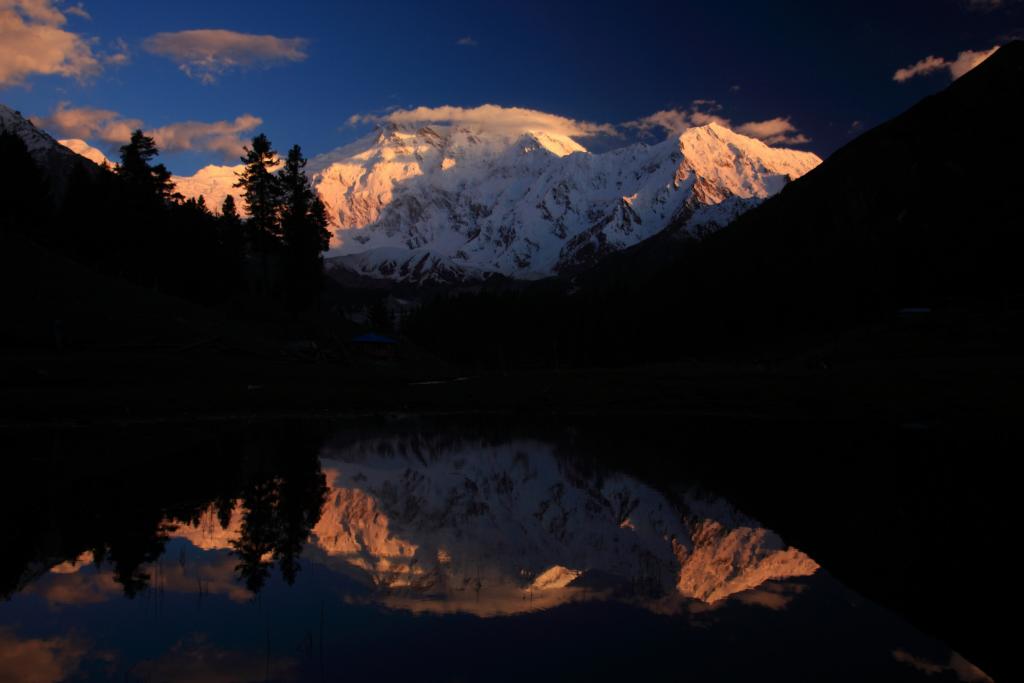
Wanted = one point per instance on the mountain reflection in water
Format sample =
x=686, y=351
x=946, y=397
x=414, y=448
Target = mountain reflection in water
x=498, y=529
x=447, y=557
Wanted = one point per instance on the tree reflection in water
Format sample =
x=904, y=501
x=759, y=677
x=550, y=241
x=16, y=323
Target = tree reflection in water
x=107, y=500
x=278, y=511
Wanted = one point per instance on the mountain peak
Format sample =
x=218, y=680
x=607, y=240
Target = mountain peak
x=717, y=131
x=712, y=127
x=715, y=151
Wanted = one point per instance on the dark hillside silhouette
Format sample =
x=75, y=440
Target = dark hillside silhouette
x=919, y=212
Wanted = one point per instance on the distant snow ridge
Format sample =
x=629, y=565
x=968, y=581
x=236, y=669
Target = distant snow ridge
x=446, y=202
x=84, y=149
x=214, y=183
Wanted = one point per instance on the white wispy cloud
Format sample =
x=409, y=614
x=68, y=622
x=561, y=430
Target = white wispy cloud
x=964, y=62
x=509, y=120
x=675, y=121
x=33, y=41
x=467, y=41
x=207, y=54
x=78, y=10
x=113, y=129
x=925, y=66
x=119, y=54
x=967, y=60
x=775, y=131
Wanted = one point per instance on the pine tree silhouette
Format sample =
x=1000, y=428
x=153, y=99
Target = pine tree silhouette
x=261, y=192
x=304, y=232
x=231, y=238
x=149, y=180
x=229, y=211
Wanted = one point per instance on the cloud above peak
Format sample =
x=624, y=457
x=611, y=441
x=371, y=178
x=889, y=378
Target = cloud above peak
x=776, y=131
x=207, y=54
x=964, y=62
x=517, y=120
x=112, y=129
x=490, y=117
x=33, y=40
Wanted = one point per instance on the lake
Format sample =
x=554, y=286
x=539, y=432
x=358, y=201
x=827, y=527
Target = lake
x=307, y=550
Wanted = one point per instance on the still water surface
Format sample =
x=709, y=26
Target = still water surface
x=419, y=556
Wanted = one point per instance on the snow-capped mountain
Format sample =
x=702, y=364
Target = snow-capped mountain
x=490, y=529
x=443, y=202
x=451, y=202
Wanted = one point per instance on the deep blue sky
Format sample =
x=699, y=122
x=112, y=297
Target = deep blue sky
x=823, y=64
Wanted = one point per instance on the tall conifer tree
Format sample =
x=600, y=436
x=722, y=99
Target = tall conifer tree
x=303, y=230
x=261, y=192
x=232, y=242
x=149, y=180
